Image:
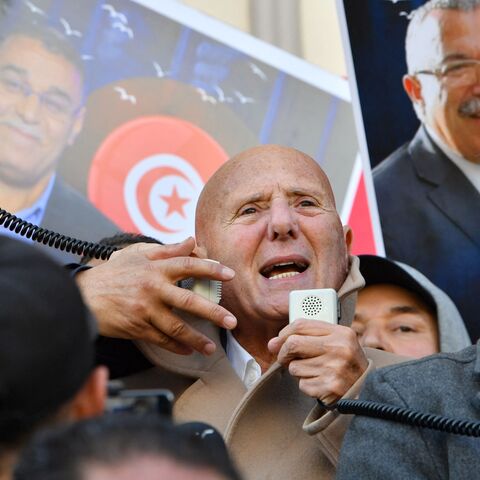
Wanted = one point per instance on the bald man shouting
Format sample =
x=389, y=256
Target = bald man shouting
x=268, y=217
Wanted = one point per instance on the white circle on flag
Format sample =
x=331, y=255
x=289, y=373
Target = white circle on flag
x=172, y=198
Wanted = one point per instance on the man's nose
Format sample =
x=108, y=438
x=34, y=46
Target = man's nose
x=372, y=337
x=28, y=108
x=283, y=221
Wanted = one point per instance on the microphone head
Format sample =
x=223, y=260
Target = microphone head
x=209, y=289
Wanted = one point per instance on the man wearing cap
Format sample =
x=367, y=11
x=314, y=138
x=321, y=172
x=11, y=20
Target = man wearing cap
x=400, y=311
x=46, y=349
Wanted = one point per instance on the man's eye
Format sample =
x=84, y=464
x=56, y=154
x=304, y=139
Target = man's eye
x=248, y=211
x=12, y=85
x=55, y=106
x=405, y=329
x=457, y=68
x=307, y=203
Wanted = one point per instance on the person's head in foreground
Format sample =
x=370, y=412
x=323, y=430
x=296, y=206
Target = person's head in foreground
x=47, y=372
x=443, y=80
x=400, y=311
x=125, y=447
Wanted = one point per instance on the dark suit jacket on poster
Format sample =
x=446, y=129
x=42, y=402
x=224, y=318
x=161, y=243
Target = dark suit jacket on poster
x=430, y=216
x=69, y=213
x=445, y=384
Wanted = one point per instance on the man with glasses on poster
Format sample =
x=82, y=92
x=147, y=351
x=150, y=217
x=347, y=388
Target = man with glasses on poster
x=41, y=113
x=428, y=191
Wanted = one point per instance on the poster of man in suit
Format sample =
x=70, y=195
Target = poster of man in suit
x=422, y=130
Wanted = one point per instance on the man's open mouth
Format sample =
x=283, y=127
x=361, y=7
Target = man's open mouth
x=283, y=270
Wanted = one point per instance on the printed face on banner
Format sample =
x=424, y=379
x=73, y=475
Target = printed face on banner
x=169, y=95
x=424, y=147
x=448, y=78
x=40, y=109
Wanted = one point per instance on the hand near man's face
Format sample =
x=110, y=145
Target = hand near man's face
x=134, y=293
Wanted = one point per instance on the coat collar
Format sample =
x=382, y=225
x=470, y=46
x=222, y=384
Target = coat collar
x=451, y=192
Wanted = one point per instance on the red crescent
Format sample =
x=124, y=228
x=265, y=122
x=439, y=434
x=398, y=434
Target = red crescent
x=143, y=189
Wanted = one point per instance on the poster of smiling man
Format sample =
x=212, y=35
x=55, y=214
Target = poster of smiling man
x=415, y=66
x=114, y=113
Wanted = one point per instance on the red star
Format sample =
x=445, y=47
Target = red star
x=175, y=203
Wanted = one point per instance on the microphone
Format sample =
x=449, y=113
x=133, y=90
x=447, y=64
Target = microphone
x=209, y=289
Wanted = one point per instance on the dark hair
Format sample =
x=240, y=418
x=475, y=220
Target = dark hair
x=112, y=439
x=46, y=341
x=122, y=240
x=51, y=38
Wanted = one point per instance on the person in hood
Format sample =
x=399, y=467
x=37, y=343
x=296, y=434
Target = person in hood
x=400, y=311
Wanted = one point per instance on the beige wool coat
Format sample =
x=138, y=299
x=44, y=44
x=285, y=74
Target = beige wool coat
x=273, y=431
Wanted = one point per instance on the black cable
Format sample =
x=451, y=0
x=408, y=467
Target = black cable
x=358, y=407
x=409, y=416
x=53, y=239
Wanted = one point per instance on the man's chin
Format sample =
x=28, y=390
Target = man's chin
x=21, y=179
x=275, y=307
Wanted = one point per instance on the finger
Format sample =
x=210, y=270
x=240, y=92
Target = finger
x=199, y=306
x=301, y=327
x=177, y=331
x=300, y=346
x=182, y=267
x=153, y=251
x=306, y=368
x=157, y=252
x=316, y=388
x=152, y=335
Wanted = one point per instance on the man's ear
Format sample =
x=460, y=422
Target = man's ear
x=413, y=88
x=90, y=399
x=77, y=125
x=348, y=236
x=199, y=251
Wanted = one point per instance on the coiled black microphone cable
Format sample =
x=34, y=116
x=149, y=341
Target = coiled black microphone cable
x=53, y=239
x=406, y=416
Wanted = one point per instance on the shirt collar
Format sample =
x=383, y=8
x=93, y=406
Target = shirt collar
x=470, y=169
x=35, y=212
x=245, y=366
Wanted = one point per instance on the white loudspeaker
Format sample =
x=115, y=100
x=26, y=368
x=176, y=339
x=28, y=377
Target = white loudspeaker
x=316, y=304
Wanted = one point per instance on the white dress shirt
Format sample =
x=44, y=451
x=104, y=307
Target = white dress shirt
x=245, y=366
x=470, y=169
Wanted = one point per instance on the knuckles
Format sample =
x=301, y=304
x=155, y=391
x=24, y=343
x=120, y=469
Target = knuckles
x=177, y=329
x=292, y=345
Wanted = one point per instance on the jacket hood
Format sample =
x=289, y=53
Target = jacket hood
x=453, y=335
